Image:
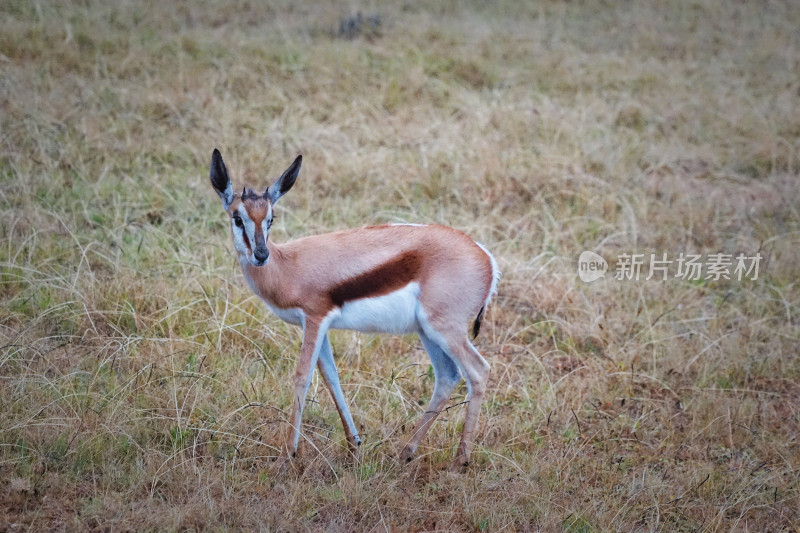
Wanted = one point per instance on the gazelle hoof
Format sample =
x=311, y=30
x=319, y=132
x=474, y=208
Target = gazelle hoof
x=354, y=445
x=281, y=464
x=407, y=455
x=459, y=464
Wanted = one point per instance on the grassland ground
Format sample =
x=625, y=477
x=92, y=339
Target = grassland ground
x=142, y=385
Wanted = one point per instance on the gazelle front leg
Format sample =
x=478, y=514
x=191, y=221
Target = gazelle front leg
x=309, y=353
x=327, y=369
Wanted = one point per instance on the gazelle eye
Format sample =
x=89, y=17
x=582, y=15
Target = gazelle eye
x=238, y=221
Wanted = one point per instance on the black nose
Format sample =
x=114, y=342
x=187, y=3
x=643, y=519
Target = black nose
x=261, y=254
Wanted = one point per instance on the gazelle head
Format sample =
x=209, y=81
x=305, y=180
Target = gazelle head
x=250, y=212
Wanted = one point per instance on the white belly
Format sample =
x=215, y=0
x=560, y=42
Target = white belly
x=395, y=312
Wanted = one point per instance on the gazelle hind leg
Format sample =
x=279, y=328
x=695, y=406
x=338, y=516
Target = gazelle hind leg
x=327, y=369
x=476, y=371
x=446, y=377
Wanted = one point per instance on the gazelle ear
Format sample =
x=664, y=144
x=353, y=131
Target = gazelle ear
x=220, y=179
x=285, y=182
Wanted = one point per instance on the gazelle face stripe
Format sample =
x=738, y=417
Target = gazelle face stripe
x=249, y=227
x=242, y=235
x=240, y=239
x=250, y=240
x=266, y=223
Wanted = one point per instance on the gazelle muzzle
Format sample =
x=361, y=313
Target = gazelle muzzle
x=261, y=253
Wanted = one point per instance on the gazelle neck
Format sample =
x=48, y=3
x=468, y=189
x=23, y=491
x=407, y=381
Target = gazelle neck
x=262, y=278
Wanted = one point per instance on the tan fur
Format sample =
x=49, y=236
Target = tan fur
x=398, y=278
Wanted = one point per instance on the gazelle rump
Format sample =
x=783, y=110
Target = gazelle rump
x=426, y=279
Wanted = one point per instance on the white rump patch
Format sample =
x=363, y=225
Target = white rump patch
x=495, y=274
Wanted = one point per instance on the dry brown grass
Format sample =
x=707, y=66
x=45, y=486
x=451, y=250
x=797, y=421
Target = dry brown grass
x=142, y=384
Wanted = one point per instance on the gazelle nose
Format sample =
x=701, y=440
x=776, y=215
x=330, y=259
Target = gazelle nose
x=261, y=254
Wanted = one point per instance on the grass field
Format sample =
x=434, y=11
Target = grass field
x=142, y=385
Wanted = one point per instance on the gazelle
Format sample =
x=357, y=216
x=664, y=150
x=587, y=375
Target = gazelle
x=427, y=279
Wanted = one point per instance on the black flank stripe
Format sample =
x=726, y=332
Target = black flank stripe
x=388, y=277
